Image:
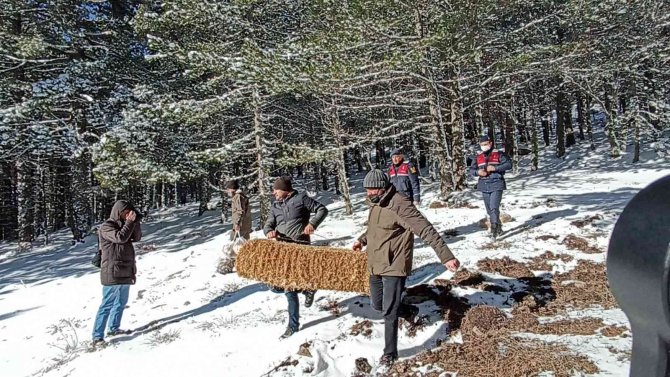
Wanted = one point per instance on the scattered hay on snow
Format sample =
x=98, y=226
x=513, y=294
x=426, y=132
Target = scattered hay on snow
x=574, y=242
x=583, y=287
x=506, y=267
x=361, y=328
x=588, y=220
x=482, y=321
x=467, y=278
x=615, y=331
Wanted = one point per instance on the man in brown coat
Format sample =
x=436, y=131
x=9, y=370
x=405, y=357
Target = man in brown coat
x=240, y=209
x=117, y=267
x=389, y=240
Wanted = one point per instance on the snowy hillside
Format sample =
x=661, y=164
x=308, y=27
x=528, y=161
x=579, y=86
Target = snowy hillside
x=189, y=320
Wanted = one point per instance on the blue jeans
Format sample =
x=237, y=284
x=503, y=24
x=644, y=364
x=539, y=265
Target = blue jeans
x=492, y=203
x=114, y=300
x=293, y=307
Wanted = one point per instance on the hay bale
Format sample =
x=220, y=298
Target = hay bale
x=303, y=267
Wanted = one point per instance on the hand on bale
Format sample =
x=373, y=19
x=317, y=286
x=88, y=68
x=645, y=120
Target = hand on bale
x=272, y=234
x=358, y=246
x=309, y=229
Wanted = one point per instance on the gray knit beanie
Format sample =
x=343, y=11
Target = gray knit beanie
x=376, y=179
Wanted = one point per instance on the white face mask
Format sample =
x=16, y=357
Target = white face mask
x=485, y=148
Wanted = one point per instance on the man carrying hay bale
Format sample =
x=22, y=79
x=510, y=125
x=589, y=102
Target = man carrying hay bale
x=289, y=220
x=389, y=241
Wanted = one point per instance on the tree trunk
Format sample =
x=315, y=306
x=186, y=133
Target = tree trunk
x=340, y=161
x=8, y=205
x=589, y=124
x=261, y=166
x=535, y=159
x=560, y=123
x=511, y=138
x=581, y=118
x=612, y=123
x=81, y=214
x=457, y=132
x=440, y=145
x=545, y=127
x=26, y=204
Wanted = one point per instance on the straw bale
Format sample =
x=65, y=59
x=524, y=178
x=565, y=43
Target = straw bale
x=303, y=267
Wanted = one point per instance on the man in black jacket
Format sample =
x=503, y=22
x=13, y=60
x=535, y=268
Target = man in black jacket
x=117, y=269
x=289, y=221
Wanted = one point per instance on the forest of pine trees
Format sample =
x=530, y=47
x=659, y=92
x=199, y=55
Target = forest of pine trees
x=160, y=101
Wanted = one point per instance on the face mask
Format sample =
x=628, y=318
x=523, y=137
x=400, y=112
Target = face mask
x=375, y=198
x=485, y=148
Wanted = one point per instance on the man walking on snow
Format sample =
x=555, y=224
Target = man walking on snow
x=490, y=166
x=241, y=211
x=117, y=267
x=289, y=220
x=405, y=177
x=389, y=240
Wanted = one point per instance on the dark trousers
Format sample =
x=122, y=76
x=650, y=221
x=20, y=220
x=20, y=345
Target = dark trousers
x=385, y=295
x=492, y=203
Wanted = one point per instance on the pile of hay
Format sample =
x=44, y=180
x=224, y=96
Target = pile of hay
x=574, y=242
x=505, y=267
x=583, y=287
x=303, y=267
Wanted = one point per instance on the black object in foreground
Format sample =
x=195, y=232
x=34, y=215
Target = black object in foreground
x=638, y=270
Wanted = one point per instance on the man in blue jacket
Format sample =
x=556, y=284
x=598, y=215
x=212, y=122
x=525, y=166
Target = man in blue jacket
x=490, y=166
x=405, y=177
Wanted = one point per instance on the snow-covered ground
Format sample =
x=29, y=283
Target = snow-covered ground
x=189, y=320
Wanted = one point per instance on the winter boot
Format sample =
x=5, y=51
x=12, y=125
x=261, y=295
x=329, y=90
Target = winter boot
x=309, y=298
x=96, y=344
x=387, y=360
x=287, y=334
x=408, y=312
x=118, y=332
x=494, y=231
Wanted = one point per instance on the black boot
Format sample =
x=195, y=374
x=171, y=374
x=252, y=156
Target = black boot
x=494, y=231
x=309, y=298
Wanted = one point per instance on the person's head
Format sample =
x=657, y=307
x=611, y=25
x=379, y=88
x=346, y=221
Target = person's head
x=282, y=188
x=375, y=183
x=232, y=187
x=397, y=156
x=125, y=213
x=121, y=209
x=485, y=143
